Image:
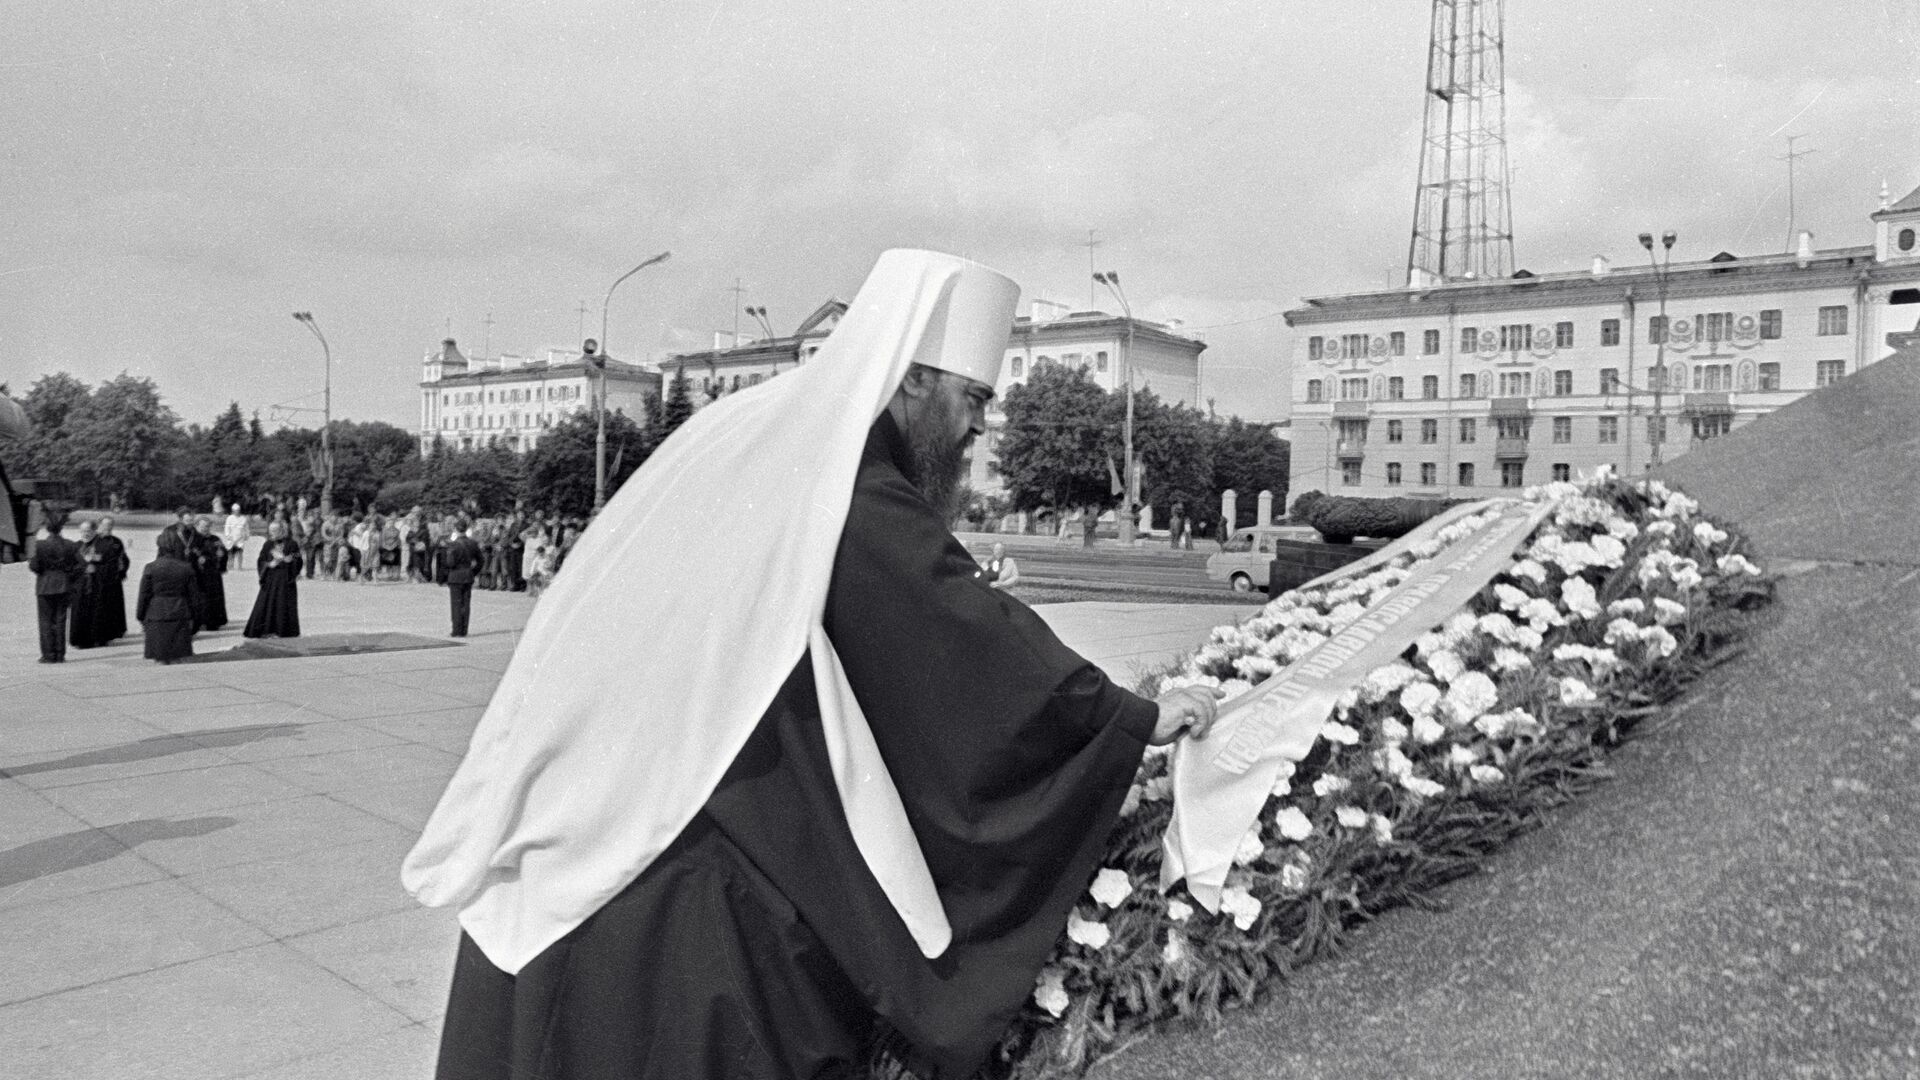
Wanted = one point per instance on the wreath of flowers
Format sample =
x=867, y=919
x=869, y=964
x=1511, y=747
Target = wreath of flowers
x=1619, y=598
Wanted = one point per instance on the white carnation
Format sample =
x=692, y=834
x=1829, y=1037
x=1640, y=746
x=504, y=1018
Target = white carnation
x=1427, y=730
x=1737, y=564
x=1628, y=606
x=1486, y=774
x=1335, y=732
x=1236, y=901
x=1179, y=910
x=1292, y=823
x=1420, y=699
x=1446, y=665
x=1461, y=756
x=1293, y=878
x=1469, y=696
x=1329, y=784
x=1094, y=935
x=1382, y=828
x=1609, y=551
x=1660, y=644
x=1421, y=786
x=1250, y=848
x=1575, y=692
x=1505, y=659
x=1667, y=612
x=1510, y=598
x=1050, y=991
x=1580, y=598
x=1530, y=570
x=1111, y=886
x=1351, y=817
x=1393, y=730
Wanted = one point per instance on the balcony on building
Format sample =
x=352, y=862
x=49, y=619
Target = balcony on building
x=1510, y=448
x=1350, y=408
x=1518, y=407
x=1709, y=403
x=1349, y=450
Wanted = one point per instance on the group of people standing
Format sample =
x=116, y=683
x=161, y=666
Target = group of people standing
x=517, y=553
x=79, y=587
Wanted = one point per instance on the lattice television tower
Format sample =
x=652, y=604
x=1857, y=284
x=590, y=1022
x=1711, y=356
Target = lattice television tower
x=1462, y=224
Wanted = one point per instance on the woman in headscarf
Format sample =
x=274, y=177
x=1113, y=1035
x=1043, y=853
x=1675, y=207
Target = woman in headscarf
x=390, y=550
x=360, y=548
x=169, y=601
x=210, y=568
x=276, y=609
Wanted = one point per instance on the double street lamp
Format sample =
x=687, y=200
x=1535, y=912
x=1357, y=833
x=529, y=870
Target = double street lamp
x=599, y=361
x=326, y=426
x=1657, y=432
x=1111, y=279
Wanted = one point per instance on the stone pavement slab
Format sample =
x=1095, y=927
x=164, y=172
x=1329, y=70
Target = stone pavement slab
x=199, y=864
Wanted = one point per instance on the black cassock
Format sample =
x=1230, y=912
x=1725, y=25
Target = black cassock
x=208, y=553
x=759, y=944
x=276, y=608
x=100, y=601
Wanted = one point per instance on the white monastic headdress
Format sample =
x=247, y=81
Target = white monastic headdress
x=683, y=609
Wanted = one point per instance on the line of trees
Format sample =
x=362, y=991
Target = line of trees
x=119, y=445
x=1062, y=446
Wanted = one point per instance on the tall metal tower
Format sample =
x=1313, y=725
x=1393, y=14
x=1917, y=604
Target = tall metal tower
x=1462, y=224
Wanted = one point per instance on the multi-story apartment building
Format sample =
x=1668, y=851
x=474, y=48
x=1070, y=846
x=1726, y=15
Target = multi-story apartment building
x=1458, y=388
x=1095, y=341
x=469, y=402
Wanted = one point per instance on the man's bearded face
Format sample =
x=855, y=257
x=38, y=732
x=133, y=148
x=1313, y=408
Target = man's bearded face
x=940, y=427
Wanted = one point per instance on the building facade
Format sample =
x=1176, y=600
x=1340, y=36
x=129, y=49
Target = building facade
x=1458, y=389
x=1164, y=361
x=510, y=401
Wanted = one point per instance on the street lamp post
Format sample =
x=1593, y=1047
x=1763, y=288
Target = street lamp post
x=1658, y=435
x=326, y=425
x=1111, y=280
x=600, y=406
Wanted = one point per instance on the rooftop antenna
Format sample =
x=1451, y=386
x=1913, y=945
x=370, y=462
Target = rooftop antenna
x=486, y=343
x=1462, y=223
x=738, y=291
x=1093, y=294
x=1790, y=157
x=580, y=333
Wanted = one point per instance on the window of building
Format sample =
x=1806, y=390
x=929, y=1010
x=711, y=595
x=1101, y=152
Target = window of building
x=1516, y=336
x=1712, y=377
x=1350, y=473
x=1828, y=372
x=1516, y=383
x=1353, y=345
x=1019, y=367
x=1396, y=389
x=1469, y=338
x=1316, y=347
x=1429, y=342
x=1071, y=359
x=1563, y=335
x=1656, y=429
x=1563, y=383
x=1770, y=324
x=1397, y=343
x=1905, y=240
x=1353, y=389
x=1393, y=431
x=1430, y=387
x=1563, y=429
x=1393, y=474
x=1512, y=427
x=1429, y=431
x=1769, y=376
x=1562, y=472
x=1714, y=326
x=1040, y=360
x=1609, y=429
x=1429, y=473
x=1513, y=474
x=1466, y=474
x=1315, y=391
x=736, y=382
x=1466, y=385
x=1609, y=331
x=1100, y=362
x=1707, y=427
x=1656, y=329
x=1609, y=381
x=1833, y=320
x=1468, y=429
x=1351, y=432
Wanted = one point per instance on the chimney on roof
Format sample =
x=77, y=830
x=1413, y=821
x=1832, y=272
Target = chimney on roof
x=1601, y=267
x=1804, y=254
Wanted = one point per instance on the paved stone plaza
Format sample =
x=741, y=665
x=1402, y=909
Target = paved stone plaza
x=199, y=864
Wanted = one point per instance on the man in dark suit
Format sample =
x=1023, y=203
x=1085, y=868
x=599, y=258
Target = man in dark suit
x=460, y=561
x=56, y=568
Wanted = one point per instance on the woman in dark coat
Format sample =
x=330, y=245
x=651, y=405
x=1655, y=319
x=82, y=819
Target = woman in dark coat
x=210, y=564
x=276, y=610
x=169, y=600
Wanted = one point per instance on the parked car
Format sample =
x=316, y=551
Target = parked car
x=1243, y=561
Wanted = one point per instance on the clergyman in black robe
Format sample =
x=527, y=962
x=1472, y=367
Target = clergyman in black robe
x=759, y=944
x=209, y=555
x=276, y=607
x=83, y=622
x=111, y=610
x=168, y=607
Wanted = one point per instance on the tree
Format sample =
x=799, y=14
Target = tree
x=49, y=402
x=1054, y=447
x=1249, y=459
x=122, y=432
x=484, y=480
x=559, y=471
x=1175, y=446
x=677, y=407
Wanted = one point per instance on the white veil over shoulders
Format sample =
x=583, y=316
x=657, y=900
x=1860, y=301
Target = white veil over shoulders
x=680, y=613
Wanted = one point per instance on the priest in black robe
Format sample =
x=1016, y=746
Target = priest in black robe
x=209, y=554
x=115, y=565
x=761, y=942
x=276, y=607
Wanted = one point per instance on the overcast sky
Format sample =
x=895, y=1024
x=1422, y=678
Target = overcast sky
x=178, y=177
